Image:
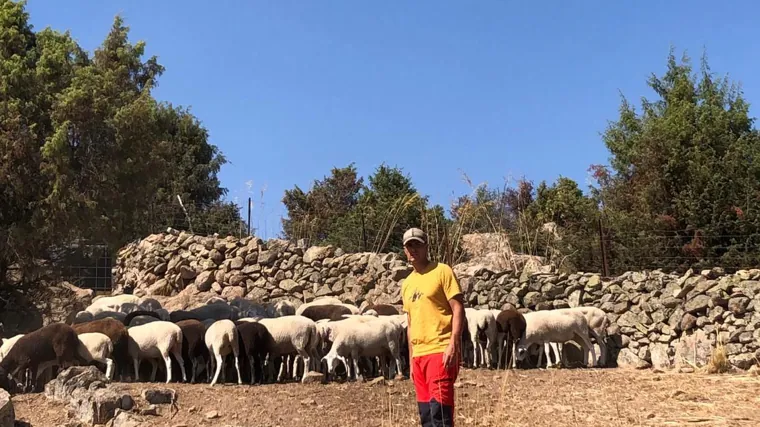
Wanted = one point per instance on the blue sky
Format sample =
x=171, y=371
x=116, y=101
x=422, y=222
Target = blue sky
x=493, y=89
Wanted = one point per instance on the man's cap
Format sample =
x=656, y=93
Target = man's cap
x=415, y=234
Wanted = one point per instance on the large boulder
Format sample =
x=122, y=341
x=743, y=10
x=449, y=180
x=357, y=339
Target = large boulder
x=7, y=414
x=89, y=398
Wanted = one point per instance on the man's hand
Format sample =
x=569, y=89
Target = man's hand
x=451, y=354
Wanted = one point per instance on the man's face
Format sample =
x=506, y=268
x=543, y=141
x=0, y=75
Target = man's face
x=415, y=251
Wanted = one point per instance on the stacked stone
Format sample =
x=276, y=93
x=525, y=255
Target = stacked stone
x=656, y=318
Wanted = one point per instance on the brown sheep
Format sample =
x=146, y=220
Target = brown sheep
x=511, y=323
x=55, y=343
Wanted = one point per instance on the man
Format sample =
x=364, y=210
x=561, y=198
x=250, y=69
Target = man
x=434, y=305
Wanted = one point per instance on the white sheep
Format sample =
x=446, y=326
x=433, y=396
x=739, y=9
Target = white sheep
x=554, y=326
x=221, y=339
x=481, y=320
x=598, y=322
x=292, y=334
x=355, y=337
x=156, y=340
x=329, y=329
x=98, y=347
x=327, y=301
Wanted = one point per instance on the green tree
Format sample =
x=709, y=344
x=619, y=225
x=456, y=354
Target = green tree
x=683, y=184
x=315, y=214
x=87, y=153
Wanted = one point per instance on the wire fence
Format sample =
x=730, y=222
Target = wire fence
x=89, y=264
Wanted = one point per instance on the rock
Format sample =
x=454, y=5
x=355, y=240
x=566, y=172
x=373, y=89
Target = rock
x=399, y=273
x=532, y=298
x=685, y=349
x=187, y=272
x=312, y=377
x=84, y=389
x=317, y=253
x=267, y=257
x=659, y=356
x=212, y=415
x=697, y=304
x=628, y=359
x=742, y=361
x=237, y=263
x=126, y=419
x=688, y=322
x=159, y=396
x=291, y=286
x=204, y=280
x=7, y=414
x=161, y=288
x=594, y=283
x=738, y=305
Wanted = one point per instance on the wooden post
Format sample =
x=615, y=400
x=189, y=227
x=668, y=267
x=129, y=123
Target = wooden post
x=603, y=248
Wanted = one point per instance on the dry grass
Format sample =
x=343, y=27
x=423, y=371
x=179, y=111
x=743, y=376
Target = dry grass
x=718, y=362
x=568, y=397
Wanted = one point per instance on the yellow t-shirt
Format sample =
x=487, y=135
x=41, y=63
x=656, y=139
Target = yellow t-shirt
x=426, y=298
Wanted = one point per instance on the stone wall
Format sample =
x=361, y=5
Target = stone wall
x=658, y=319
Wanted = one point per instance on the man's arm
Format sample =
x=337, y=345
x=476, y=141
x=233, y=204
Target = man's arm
x=453, y=352
x=409, y=343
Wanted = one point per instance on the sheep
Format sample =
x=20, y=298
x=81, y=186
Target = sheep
x=292, y=334
x=553, y=326
x=381, y=309
x=54, y=344
x=481, y=322
x=326, y=311
x=118, y=303
x=357, y=337
x=154, y=340
x=318, y=301
x=510, y=325
x=95, y=346
x=7, y=343
x=218, y=310
x=598, y=322
x=193, y=345
x=255, y=341
x=221, y=338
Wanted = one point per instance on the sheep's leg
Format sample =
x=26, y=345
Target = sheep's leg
x=219, y=363
x=168, y=362
x=540, y=358
x=555, y=347
x=282, y=368
x=589, y=346
x=355, y=357
x=514, y=354
x=109, y=367
x=154, y=364
x=237, y=366
x=178, y=355
x=137, y=369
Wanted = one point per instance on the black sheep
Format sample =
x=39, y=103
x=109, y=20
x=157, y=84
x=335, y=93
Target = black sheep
x=326, y=311
x=193, y=344
x=511, y=323
x=256, y=342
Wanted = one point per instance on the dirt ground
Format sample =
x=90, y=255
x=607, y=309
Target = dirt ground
x=587, y=397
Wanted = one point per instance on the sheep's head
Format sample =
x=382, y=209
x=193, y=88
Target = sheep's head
x=332, y=362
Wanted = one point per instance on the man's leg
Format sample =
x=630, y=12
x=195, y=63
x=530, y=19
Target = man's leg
x=422, y=391
x=441, y=386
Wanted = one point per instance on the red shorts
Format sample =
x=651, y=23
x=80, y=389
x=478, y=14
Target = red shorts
x=434, y=386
